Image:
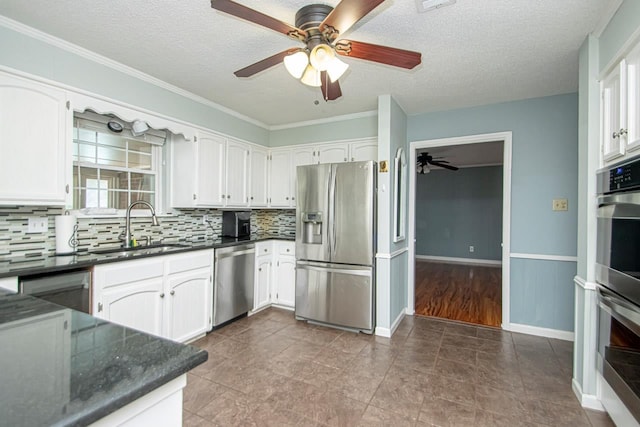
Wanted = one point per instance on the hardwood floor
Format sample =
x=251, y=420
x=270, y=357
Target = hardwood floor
x=467, y=293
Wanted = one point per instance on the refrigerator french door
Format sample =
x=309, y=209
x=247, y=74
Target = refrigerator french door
x=335, y=244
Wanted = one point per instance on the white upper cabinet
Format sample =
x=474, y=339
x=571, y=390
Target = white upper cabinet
x=211, y=170
x=333, y=153
x=280, y=179
x=237, y=178
x=197, y=171
x=259, y=171
x=612, y=106
x=365, y=150
x=633, y=99
x=35, y=142
x=621, y=109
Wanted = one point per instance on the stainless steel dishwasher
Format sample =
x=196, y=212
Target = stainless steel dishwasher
x=233, y=284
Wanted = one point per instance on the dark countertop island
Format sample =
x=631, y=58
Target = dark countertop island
x=66, y=368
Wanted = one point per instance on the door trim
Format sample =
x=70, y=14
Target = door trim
x=506, y=138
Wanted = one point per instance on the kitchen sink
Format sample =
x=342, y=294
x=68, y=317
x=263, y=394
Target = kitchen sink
x=141, y=250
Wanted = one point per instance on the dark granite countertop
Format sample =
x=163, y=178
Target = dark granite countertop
x=62, y=367
x=31, y=265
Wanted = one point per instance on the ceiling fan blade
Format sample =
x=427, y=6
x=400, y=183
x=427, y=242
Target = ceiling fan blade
x=251, y=15
x=330, y=90
x=345, y=14
x=264, y=64
x=376, y=53
x=445, y=166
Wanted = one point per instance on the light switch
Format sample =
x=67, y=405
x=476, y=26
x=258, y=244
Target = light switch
x=560, y=205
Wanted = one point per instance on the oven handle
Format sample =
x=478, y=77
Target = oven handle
x=619, y=199
x=623, y=311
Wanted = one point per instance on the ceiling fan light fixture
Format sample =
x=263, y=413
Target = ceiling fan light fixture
x=311, y=77
x=296, y=63
x=336, y=68
x=321, y=56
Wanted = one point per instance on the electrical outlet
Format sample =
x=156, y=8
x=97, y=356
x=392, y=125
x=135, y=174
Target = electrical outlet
x=205, y=218
x=37, y=225
x=560, y=205
x=471, y=249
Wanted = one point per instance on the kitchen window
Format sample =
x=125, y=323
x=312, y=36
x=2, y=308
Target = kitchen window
x=111, y=169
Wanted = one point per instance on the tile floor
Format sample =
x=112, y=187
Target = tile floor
x=271, y=370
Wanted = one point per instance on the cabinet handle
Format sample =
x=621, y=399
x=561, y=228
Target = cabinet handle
x=162, y=295
x=251, y=197
x=66, y=188
x=622, y=132
x=265, y=250
x=614, y=135
x=293, y=198
x=194, y=196
x=228, y=196
x=286, y=198
x=353, y=159
x=259, y=269
x=99, y=306
x=345, y=159
x=172, y=292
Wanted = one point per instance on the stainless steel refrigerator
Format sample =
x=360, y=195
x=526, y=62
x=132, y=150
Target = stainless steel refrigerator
x=336, y=244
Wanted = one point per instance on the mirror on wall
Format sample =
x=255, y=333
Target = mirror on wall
x=399, y=195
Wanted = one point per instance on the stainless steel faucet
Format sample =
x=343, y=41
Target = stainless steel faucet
x=127, y=230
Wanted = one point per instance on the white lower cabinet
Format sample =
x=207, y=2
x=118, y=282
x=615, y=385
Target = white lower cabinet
x=285, y=281
x=262, y=297
x=169, y=296
x=275, y=278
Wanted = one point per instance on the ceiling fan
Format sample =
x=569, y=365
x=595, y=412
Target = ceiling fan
x=424, y=160
x=320, y=27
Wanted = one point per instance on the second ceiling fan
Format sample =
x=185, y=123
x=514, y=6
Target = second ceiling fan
x=424, y=160
x=320, y=27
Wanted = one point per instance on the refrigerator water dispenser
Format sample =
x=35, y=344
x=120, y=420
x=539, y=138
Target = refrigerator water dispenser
x=312, y=227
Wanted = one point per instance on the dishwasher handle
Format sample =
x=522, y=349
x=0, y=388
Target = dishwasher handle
x=234, y=251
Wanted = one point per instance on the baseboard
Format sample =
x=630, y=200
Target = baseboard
x=388, y=332
x=453, y=260
x=284, y=307
x=541, y=332
x=586, y=400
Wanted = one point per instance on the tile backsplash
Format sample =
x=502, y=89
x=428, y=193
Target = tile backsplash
x=183, y=225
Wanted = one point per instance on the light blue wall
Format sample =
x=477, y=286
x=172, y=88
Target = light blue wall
x=350, y=128
x=542, y=293
x=33, y=56
x=455, y=210
x=544, y=167
x=624, y=23
x=544, y=163
x=392, y=285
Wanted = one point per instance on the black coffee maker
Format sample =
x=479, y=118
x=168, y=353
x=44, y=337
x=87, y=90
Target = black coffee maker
x=236, y=223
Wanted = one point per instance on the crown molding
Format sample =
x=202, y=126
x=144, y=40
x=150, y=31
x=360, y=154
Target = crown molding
x=117, y=66
x=325, y=120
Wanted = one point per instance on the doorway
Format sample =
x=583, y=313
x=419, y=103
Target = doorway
x=459, y=217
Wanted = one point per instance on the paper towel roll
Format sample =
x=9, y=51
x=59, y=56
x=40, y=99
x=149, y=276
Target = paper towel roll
x=65, y=234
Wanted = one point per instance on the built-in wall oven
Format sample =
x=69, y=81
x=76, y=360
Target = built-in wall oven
x=618, y=278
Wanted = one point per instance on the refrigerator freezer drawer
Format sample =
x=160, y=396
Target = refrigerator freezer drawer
x=340, y=295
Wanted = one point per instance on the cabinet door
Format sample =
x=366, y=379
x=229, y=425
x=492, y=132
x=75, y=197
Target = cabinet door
x=285, y=281
x=183, y=179
x=304, y=156
x=34, y=142
x=611, y=114
x=280, y=179
x=334, y=153
x=262, y=282
x=188, y=305
x=237, y=174
x=211, y=170
x=633, y=99
x=362, y=151
x=259, y=177
x=138, y=305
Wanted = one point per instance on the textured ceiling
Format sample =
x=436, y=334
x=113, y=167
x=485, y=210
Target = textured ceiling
x=474, y=52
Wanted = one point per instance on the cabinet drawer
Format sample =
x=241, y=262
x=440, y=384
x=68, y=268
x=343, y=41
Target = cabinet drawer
x=286, y=248
x=189, y=261
x=128, y=272
x=264, y=248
